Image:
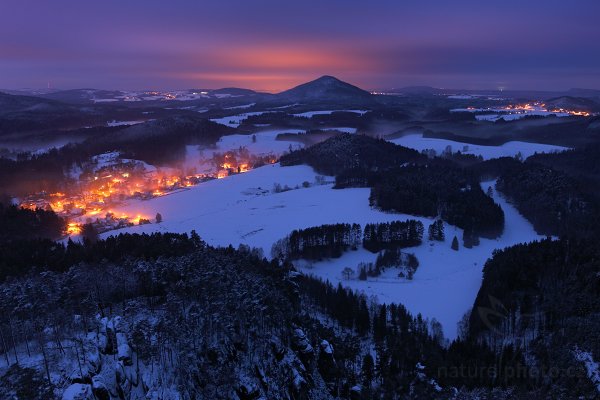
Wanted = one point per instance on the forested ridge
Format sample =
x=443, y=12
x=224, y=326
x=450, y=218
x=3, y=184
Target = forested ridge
x=224, y=323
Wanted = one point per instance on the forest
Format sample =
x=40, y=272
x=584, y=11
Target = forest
x=436, y=190
x=316, y=243
x=345, y=151
x=405, y=181
x=142, y=314
x=396, y=234
x=330, y=241
x=163, y=144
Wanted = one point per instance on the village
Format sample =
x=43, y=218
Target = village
x=110, y=180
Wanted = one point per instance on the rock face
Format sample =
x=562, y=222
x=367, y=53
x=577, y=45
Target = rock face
x=107, y=370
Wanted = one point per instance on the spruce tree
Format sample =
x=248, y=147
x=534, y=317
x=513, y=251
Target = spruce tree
x=368, y=370
x=468, y=238
x=363, y=274
x=454, y=244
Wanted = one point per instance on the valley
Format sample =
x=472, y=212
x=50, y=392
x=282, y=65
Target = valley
x=401, y=206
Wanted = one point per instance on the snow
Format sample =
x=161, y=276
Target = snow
x=78, y=391
x=446, y=281
x=345, y=129
x=242, y=106
x=286, y=106
x=310, y=114
x=266, y=142
x=242, y=209
x=326, y=347
x=123, y=123
x=509, y=115
x=473, y=96
x=461, y=97
x=512, y=117
x=233, y=121
x=114, y=158
x=591, y=366
x=106, y=159
x=508, y=149
x=104, y=100
x=224, y=95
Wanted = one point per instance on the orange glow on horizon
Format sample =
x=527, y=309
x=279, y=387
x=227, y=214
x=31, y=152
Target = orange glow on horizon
x=279, y=67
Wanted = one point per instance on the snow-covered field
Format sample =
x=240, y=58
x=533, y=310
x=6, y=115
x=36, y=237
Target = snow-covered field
x=123, y=123
x=310, y=114
x=266, y=142
x=446, y=283
x=508, y=149
x=242, y=106
x=494, y=114
x=234, y=121
x=345, y=129
x=244, y=209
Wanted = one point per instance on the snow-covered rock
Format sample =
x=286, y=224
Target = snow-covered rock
x=78, y=391
x=123, y=349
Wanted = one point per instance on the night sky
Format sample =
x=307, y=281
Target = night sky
x=273, y=45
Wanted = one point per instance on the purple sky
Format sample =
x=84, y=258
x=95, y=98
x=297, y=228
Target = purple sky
x=272, y=45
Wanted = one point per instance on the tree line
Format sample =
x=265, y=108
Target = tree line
x=318, y=242
x=20, y=257
x=330, y=241
x=440, y=191
x=392, y=235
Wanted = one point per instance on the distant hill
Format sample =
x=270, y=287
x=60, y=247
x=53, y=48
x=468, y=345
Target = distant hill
x=10, y=103
x=161, y=141
x=579, y=92
x=79, y=96
x=326, y=89
x=420, y=90
x=232, y=91
x=573, y=103
x=194, y=129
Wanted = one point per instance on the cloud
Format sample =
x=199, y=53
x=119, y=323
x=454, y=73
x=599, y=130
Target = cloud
x=267, y=44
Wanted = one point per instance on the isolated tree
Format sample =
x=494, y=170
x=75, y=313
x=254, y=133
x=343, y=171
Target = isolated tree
x=347, y=273
x=253, y=138
x=490, y=191
x=158, y=218
x=454, y=245
x=412, y=261
x=468, y=238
